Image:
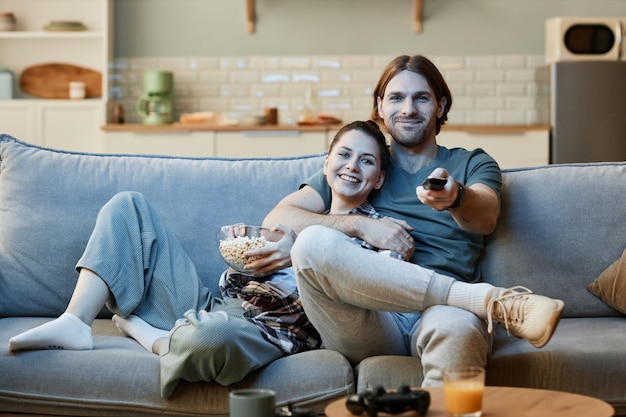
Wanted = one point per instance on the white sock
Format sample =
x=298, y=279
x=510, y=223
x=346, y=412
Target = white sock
x=65, y=332
x=142, y=332
x=471, y=297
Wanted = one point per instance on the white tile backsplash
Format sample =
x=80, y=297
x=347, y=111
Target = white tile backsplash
x=494, y=103
x=203, y=63
x=295, y=62
x=327, y=62
x=487, y=89
x=460, y=75
x=264, y=62
x=511, y=61
x=510, y=117
x=480, y=89
x=357, y=62
x=489, y=75
x=480, y=61
x=449, y=62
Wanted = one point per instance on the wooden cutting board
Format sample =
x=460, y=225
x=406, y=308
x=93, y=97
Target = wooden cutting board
x=52, y=80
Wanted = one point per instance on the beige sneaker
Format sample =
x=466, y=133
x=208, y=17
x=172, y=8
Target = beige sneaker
x=525, y=315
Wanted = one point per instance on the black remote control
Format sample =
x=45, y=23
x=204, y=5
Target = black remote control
x=434, y=183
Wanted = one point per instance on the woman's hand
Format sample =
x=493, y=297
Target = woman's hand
x=275, y=255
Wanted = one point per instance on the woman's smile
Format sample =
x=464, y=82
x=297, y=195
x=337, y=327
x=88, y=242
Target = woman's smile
x=349, y=178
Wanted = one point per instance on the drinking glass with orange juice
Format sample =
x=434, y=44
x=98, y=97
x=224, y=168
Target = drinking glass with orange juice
x=463, y=388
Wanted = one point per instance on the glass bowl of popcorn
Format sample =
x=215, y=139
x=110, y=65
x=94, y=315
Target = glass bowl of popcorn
x=237, y=239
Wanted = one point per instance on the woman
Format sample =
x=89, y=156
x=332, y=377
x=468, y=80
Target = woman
x=135, y=267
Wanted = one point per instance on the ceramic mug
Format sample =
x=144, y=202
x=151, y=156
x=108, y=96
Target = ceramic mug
x=252, y=403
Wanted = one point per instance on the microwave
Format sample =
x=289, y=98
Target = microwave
x=585, y=39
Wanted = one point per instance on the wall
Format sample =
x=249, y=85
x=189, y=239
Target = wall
x=344, y=27
x=490, y=51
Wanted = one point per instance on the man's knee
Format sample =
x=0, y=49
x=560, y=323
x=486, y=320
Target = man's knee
x=313, y=241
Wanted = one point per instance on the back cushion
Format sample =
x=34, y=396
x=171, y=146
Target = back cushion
x=49, y=201
x=560, y=227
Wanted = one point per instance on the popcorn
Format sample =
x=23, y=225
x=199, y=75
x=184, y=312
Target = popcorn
x=232, y=250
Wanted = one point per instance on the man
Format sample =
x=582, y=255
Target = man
x=364, y=304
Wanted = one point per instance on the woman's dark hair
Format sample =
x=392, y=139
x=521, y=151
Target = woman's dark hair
x=371, y=129
x=420, y=65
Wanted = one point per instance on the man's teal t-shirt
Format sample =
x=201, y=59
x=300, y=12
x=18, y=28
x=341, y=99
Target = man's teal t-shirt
x=440, y=244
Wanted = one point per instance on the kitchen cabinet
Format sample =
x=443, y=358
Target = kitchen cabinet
x=198, y=140
x=69, y=124
x=60, y=123
x=269, y=143
x=17, y=118
x=225, y=144
x=176, y=143
x=511, y=147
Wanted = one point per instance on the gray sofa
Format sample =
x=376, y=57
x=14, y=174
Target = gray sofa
x=561, y=226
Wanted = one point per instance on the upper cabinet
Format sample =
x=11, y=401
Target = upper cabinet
x=35, y=42
x=31, y=44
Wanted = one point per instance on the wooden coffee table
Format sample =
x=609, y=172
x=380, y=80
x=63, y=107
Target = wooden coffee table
x=508, y=402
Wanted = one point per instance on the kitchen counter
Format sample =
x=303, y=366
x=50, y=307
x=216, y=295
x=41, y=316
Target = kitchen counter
x=511, y=145
x=199, y=127
x=494, y=129
x=189, y=127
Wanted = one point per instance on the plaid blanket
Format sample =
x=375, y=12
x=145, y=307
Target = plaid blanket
x=273, y=304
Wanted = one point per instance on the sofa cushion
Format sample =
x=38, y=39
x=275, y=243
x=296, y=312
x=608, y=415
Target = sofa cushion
x=585, y=356
x=610, y=286
x=49, y=200
x=119, y=377
x=560, y=226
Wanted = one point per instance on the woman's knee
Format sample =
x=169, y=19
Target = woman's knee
x=209, y=331
x=122, y=201
x=126, y=198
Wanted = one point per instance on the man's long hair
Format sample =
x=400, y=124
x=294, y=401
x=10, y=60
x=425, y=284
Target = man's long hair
x=420, y=65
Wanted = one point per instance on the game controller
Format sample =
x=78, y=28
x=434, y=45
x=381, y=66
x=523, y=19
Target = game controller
x=392, y=402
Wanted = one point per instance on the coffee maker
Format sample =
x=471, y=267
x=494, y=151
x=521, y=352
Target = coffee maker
x=155, y=105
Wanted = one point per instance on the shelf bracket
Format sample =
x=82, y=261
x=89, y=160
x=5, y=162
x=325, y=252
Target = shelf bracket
x=251, y=16
x=418, y=9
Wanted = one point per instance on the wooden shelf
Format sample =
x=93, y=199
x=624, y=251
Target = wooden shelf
x=418, y=9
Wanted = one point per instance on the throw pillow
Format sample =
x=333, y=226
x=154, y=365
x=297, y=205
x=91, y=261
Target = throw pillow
x=610, y=286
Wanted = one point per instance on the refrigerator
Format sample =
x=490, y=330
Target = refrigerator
x=587, y=111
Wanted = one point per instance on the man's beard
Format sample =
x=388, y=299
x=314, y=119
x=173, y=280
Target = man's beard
x=413, y=137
